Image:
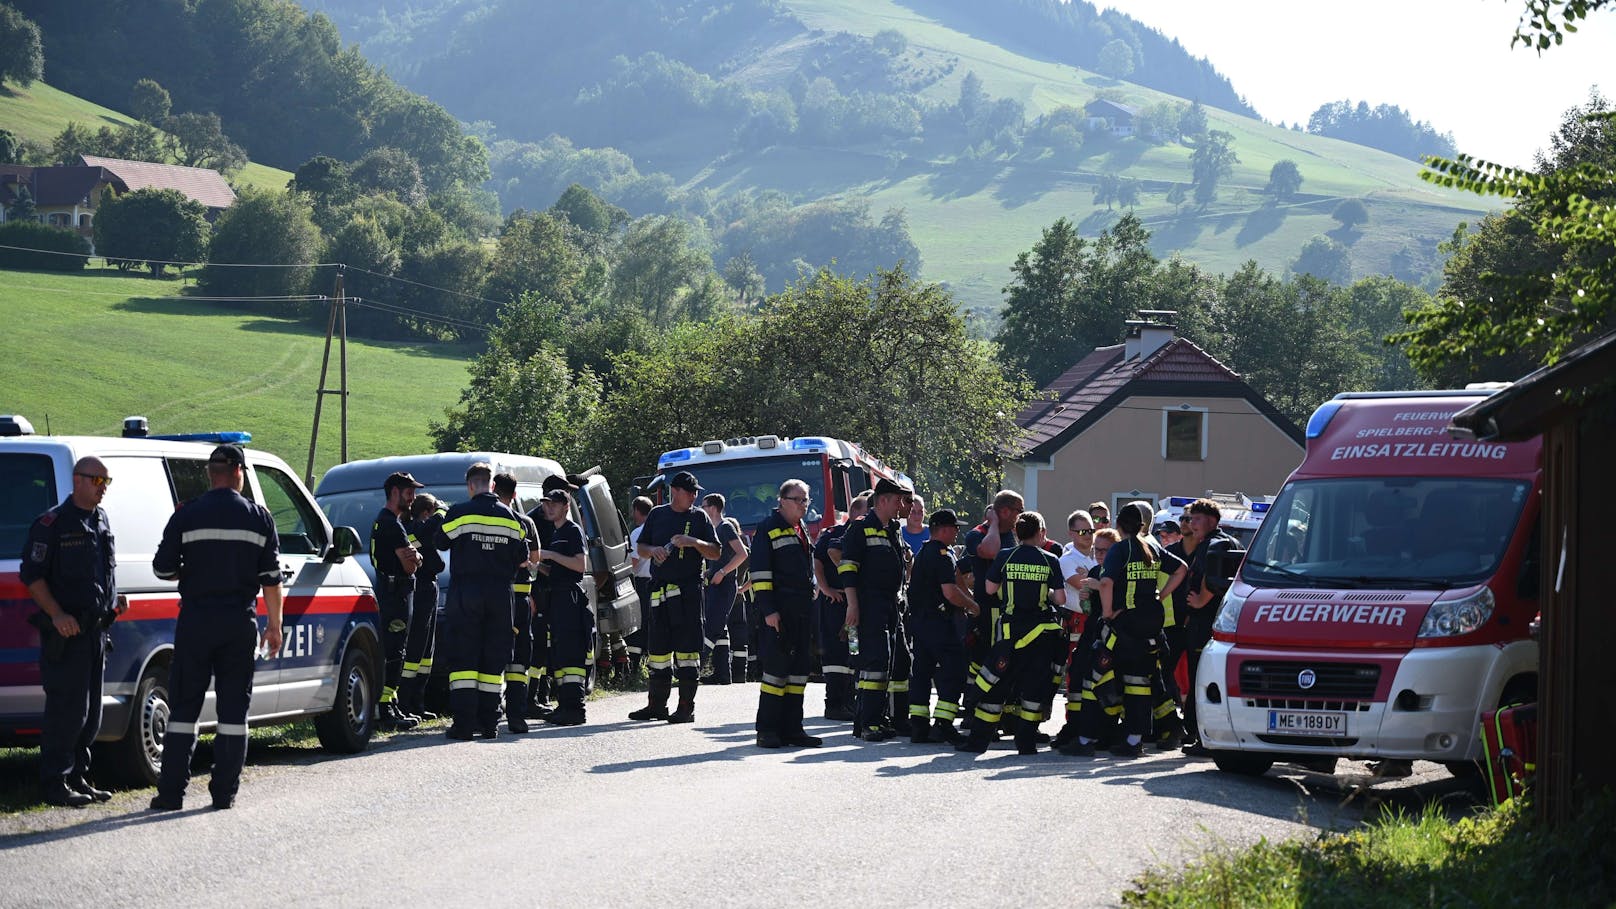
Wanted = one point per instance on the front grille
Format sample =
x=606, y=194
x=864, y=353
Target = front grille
x=1295, y=704
x=1308, y=741
x=1374, y=597
x=1332, y=681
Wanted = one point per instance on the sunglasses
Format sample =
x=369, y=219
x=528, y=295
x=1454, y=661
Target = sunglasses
x=797, y=499
x=1083, y=532
x=1102, y=520
x=96, y=481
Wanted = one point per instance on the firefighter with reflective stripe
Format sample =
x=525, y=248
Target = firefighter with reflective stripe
x=1030, y=647
x=572, y=625
x=395, y=562
x=783, y=587
x=426, y=516
x=835, y=662
x=222, y=548
x=541, y=683
x=938, y=608
x=522, y=609
x=68, y=566
x=1079, y=683
x=719, y=597
x=872, y=574
x=1137, y=573
x=486, y=544
x=676, y=538
x=982, y=546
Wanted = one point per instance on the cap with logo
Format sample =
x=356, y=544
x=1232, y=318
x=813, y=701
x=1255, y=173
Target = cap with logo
x=402, y=480
x=228, y=454
x=685, y=480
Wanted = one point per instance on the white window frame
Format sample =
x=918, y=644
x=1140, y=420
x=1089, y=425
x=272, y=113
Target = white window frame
x=1205, y=413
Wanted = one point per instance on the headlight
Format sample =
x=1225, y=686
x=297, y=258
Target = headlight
x=1228, y=614
x=1455, y=617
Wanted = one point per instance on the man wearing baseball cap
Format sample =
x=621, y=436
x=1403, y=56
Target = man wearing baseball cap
x=676, y=538
x=567, y=606
x=222, y=549
x=395, y=562
x=938, y=605
x=873, y=568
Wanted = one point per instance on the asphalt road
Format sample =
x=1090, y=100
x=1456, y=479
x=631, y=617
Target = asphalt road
x=625, y=814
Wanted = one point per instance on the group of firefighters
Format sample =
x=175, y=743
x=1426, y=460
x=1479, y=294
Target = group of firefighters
x=896, y=615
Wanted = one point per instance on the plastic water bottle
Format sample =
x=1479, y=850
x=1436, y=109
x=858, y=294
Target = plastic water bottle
x=852, y=640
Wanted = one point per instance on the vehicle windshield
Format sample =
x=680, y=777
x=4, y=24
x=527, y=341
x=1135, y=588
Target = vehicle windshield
x=750, y=488
x=358, y=509
x=1391, y=532
x=27, y=490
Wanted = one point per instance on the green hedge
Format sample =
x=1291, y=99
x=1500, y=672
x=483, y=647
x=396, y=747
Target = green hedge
x=47, y=240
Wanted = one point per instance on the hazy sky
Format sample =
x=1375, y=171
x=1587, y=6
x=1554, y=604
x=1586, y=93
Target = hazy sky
x=1444, y=61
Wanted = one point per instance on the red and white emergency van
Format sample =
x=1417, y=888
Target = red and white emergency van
x=1385, y=602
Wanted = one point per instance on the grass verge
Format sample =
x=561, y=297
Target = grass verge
x=1498, y=857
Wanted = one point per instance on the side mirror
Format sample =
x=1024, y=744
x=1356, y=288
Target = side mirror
x=346, y=544
x=1221, y=567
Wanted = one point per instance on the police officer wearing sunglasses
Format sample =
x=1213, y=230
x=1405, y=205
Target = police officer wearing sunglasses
x=67, y=566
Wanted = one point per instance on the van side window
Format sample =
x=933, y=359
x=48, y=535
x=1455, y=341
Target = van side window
x=608, y=526
x=138, y=505
x=1529, y=586
x=190, y=479
x=299, y=529
x=27, y=490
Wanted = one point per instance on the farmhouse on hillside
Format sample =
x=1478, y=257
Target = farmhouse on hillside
x=1153, y=417
x=67, y=197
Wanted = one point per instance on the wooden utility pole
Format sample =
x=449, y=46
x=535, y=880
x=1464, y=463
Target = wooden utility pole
x=336, y=325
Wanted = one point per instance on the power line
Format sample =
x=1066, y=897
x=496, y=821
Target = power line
x=397, y=310
x=446, y=290
x=57, y=252
x=278, y=298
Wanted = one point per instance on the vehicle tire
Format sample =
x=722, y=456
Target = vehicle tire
x=138, y=756
x=347, y=727
x=1241, y=763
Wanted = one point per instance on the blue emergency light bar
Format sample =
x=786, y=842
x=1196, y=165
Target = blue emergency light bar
x=217, y=438
x=673, y=457
x=1260, y=507
x=1321, y=418
x=809, y=443
x=1180, y=501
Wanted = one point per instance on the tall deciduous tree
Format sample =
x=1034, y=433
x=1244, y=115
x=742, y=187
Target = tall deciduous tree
x=263, y=227
x=22, y=56
x=1350, y=213
x=150, y=102
x=1212, y=161
x=151, y=227
x=198, y=140
x=1284, y=180
x=534, y=254
x=1116, y=59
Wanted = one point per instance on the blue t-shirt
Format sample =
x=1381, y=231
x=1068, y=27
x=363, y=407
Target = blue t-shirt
x=916, y=540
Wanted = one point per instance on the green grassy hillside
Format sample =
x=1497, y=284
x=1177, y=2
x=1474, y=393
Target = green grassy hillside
x=970, y=220
x=39, y=112
x=87, y=350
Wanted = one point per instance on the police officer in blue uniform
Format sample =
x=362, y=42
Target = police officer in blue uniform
x=485, y=543
x=872, y=571
x=572, y=625
x=222, y=549
x=67, y=566
x=395, y=562
x=426, y=516
x=783, y=587
x=676, y=538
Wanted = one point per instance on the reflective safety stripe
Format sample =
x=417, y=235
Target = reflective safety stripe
x=797, y=679
x=519, y=677
x=947, y=710
x=837, y=670
x=231, y=729
x=796, y=689
x=686, y=660
x=871, y=685
x=785, y=541
x=389, y=694
x=899, y=687
x=521, y=588
x=181, y=728
x=221, y=535
x=461, y=679
x=1034, y=706
x=762, y=575
x=1032, y=635
x=776, y=690
x=739, y=653
x=535, y=672
x=760, y=586
x=1032, y=716
x=489, y=678
x=659, y=660
x=426, y=663
x=920, y=710
x=777, y=680
x=1164, y=709
x=1074, y=706
x=515, y=667
x=482, y=523
x=1136, y=690
x=989, y=713
x=490, y=687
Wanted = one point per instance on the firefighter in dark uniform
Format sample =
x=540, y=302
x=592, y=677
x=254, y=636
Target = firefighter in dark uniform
x=938, y=607
x=572, y=625
x=222, y=548
x=396, y=562
x=486, y=545
x=1137, y=573
x=835, y=662
x=676, y=538
x=522, y=610
x=872, y=573
x=541, y=683
x=426, y=516
x=68, y=567
x=721, y=635
x=982, y=547
x=783, y=588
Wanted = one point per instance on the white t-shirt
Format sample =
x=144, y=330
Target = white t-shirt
x=642, y=566
x=1074, y=562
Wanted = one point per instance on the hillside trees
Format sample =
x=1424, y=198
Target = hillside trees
x=41, y=247
x=10, y=147
x=1350, y=213
x=1284, y=180
x=264, y=228
x=150, y=102
x=151, y=227
x=22, y=56
x=1212, y=160
x=1385, y=126
x=198, y=140
x=1115, y=60
x=1325, y=259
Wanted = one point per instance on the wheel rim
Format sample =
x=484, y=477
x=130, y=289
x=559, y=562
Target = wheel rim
x=154, y=725
x=358, y=699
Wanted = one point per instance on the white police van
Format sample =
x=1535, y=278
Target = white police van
x=328, y=666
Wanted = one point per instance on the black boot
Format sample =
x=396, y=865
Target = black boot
x=739, y=669
x=944, y=731
x=539, y=702
x=1026, y=736
x=721, y=667
x=686, y=711
x=56, y=792
x=656, y=704
x=977, y=741
x=919, y=730
x=81, y=785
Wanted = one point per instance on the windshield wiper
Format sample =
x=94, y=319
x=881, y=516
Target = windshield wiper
x=1417, y=583
x=1307, y=579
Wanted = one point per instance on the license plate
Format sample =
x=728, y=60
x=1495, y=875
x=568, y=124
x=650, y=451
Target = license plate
x=1307, y=722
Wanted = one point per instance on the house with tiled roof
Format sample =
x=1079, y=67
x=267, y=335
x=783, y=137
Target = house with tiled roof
x=199, y=184
x=63, y=196
x=1153, y=417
